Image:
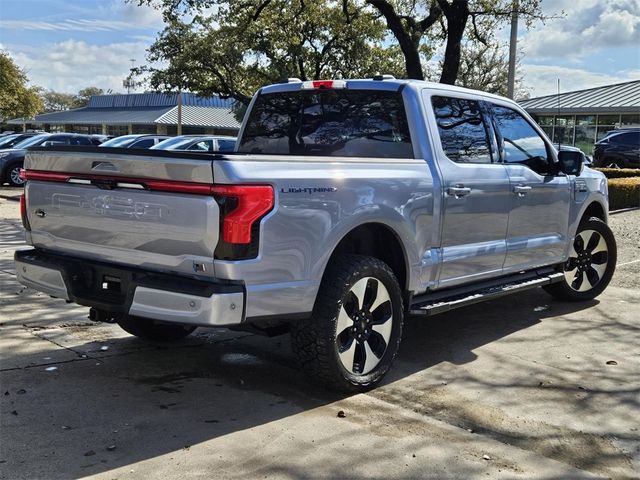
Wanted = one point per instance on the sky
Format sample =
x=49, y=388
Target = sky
x=66, y=45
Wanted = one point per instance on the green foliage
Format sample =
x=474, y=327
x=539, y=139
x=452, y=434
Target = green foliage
x=56, y=101
x=17, y=99
x=624, y=193
x=249, y=44
x=84, y=95
x=620, y=172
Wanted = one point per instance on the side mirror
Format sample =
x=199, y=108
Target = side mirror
x=571, y=162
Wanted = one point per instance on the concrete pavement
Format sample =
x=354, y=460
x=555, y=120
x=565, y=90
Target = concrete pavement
x=521, y=387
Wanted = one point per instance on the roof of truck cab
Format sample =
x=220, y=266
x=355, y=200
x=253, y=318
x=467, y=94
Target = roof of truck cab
x=385, y=85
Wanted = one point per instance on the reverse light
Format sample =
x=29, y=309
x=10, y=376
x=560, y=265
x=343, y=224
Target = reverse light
x=315, y=84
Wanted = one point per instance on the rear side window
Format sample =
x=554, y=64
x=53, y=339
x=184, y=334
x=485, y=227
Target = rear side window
x=351, y=123
x=226, y=145
x=463, y=134
x=519, y=142
x=632, y=138
x=144, y=143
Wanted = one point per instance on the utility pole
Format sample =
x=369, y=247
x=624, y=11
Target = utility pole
x=513, y=43
x=179, y=128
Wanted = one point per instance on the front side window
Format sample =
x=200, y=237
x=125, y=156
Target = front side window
x=329, y=122
x=463, y=134
x=519, y=142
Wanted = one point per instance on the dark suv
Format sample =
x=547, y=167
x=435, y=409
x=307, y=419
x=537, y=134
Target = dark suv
x=11, y=160
x=618, y=149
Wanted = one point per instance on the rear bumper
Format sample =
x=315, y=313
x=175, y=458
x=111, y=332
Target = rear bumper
x=125, y=290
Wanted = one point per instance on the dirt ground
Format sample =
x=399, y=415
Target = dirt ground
x=520, y=387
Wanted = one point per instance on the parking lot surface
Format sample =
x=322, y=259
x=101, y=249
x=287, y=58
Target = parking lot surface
x=521, y=387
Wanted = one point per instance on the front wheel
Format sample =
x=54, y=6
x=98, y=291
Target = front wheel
x=591, y=263
x=151, y=330
x=353, y=335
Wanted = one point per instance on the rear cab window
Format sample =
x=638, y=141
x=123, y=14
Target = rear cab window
x=328, y=122
x=463, y=133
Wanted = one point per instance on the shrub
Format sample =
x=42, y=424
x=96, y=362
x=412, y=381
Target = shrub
x=620, y=172
x=624, y=193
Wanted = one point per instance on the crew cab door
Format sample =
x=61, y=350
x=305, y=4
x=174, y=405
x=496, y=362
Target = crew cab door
x=475, y=202
x=539, y=196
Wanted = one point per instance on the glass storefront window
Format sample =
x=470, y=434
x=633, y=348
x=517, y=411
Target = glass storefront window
x=602, y=131
x=630, y=120
x=585, y=138
x=117, y=130
x=565, y=120
x=545, y=121
x=585, y=120
x=608, y=119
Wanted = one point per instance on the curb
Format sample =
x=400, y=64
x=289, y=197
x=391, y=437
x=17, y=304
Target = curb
x=622, y=210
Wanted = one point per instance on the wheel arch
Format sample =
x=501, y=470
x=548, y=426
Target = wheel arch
x=377, y=240
x=594, y=209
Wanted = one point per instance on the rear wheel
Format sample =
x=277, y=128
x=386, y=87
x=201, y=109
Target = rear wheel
x=13, y=175
x=353, y=335
x=591, y=263
x=152, y=330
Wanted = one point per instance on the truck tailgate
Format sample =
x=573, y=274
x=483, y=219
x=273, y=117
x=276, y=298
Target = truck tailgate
x=99, y=206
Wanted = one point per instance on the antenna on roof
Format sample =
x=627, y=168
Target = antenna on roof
x=557, y=112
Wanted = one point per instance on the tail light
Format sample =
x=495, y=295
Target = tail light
x=23, y=212
x=241, y=208
x=315, y=84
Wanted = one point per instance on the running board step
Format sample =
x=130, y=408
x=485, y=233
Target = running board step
x=432, y=306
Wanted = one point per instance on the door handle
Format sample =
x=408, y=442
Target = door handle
x=521, y=190
x=458, y=191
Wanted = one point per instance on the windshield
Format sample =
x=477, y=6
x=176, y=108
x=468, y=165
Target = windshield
x=7, y=141
x=32, y=141
x=175, y=143
x=122, y=141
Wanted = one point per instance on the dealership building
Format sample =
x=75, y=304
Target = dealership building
x=141, y=113
x=582, y=117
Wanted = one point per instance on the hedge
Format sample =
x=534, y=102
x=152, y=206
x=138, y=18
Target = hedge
x=624, y=193
x=620, y=172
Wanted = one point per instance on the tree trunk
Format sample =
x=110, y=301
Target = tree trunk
x=457, y=14
x=408, y=46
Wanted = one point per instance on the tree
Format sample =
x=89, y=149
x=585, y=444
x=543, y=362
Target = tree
x=84, y=95
x=450, y=20
x=57, y=101
x=485, y=67
x=251, y=43
x=17, y=99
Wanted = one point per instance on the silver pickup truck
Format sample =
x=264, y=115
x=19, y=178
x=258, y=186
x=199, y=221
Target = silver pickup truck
x=347, y=205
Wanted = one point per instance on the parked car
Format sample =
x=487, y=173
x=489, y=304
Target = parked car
x=348, y=205
x=9, y=141
x=11, y=160
x=135, y=141
x=199, y=143
x=586, y=159
x=618, y=149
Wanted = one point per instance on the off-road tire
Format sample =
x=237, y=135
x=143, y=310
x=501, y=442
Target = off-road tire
x=315, y=341
x=563, y=290
x=148, y=329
